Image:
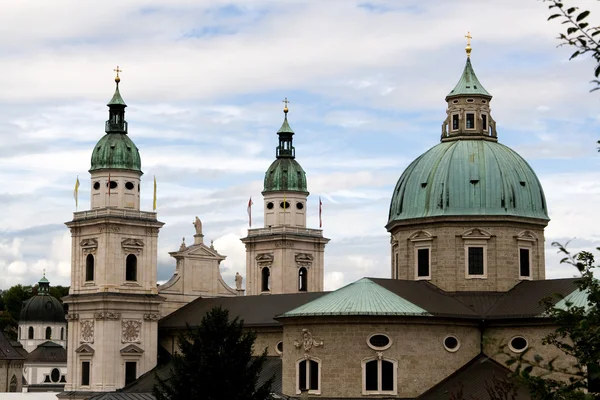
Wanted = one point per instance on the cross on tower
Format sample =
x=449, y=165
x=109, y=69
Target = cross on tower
x=285, y=108
x=468, y=36
x=117, y=70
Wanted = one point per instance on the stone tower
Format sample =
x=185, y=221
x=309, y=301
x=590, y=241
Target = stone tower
x=113, y=300
x=469, y=214
x=285, y=256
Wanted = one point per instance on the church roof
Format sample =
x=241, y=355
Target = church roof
x=468, y=84
x=7, y=351
x=363, y=297
x=48, y=352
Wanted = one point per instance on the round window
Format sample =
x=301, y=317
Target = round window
x=129, y=185
x=113, y=184
x=284, y=204
x=379, y=341
x=299, y=206
x=270, y=205
x=96, y=185
x=55, y=375
x=279, y=347
x=518, y=344
x=451, y=343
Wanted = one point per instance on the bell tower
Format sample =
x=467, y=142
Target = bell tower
x=113, y=300
x=285, y=256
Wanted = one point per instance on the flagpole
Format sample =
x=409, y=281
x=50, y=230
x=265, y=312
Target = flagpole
x=154, y=198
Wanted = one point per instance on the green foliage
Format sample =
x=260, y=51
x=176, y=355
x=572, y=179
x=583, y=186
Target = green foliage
x=577, y=336
x=215, y=363
x=14, y=298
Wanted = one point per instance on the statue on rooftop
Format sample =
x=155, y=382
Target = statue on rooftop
x=198, y=225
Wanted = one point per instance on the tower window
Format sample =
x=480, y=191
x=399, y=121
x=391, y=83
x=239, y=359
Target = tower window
x=476, y=261
x=455, y=122
x=309, y=376
x=379, y=376
x=423, y=263
x=524, y=263
x=469, y=100
x=396, y=265
x=299, y=206
x=129, y=185
x=284, y=204
x=13, y=384
x=266, y=277
x=302, y=280
x=113, y=184
x=30, y=333
x=55, y=375
x=470, y=121
x=130, y=371
x=270, y=205
x=484, y=122
x=85, y=373
x=89, y=268
x=96, y=185
x=62, y=333
x=48, y=333
x=131, y=268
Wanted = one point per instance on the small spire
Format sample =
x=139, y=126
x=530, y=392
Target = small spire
x=285, y=108
x=467, y=49
x=117, y=70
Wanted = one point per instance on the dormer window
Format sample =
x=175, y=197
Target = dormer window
x=455, y=122
x=470, y=121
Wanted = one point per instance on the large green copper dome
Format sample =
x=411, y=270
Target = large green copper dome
x=116, y=150
x=468, y=177
x=285, y=174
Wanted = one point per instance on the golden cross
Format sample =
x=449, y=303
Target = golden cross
x=468, y=36
x=117, y=70
x=286, y=101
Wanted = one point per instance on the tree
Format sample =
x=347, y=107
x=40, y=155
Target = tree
x=215, y=362
x=577, y=336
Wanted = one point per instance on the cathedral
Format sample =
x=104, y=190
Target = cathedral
x=467, y=273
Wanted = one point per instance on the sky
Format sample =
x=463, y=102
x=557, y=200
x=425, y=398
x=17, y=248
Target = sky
x=204, y=83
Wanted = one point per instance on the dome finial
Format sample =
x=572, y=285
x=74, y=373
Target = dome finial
x=468, y=48
x=285, y=108
x=117, y=70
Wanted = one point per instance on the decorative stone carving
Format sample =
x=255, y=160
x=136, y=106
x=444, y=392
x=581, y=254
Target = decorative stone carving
x=110, y=228
x=379, y=355
x=526, y=236
x=420, y=236
x=265, y=259
x=89, y=245
x=132, y=245
x=182, y=246
x=304, y=260
x=72, y=317
x=197, y=225
x=285, y=244
x=238, y=281
x=75, y=231
x=151, y=317
x=131, y=331
x=87, y=331
x=152, y=231
x=308, y=341
x=108, y=316
x=476, y=233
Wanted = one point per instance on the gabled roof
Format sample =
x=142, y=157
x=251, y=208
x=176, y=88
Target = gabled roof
x=363, y=297
x=7, y=351
x=472, y=381
x=48, y=352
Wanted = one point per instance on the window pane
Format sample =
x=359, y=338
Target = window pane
x=470, y=121
x=130, y=372
x=85, y=373
x=454, y=122
x=475, y=260
x=423, y=262
x=484, y=122
x=387, y=375
x=524, y=262
x=371, y=375
x=302, y=375
x=314, y=375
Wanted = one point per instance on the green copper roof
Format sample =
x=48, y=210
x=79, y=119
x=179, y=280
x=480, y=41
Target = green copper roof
x=363, y=297
x=285, y=174
x=285, y=127
x=116, y=151
x=117, y=100
x=468, y=83
x=577, y=298
x=468, y=177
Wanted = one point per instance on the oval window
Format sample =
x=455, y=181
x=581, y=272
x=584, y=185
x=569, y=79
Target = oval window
x=379, y=341
x=113, y=184
x=451, y=343
x=469, y=100
x=270, y=205
x=129, y=186
x=299, y=206
x=518, y=344
x=284, y=204
x=96, y=185
x=55, y=375
x=279, y=347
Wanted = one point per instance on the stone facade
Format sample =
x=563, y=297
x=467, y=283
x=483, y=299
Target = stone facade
x=11, y=373
x=447, y=240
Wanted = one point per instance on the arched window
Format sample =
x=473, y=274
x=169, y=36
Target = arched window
x=30, y=333
x=89, y=268
x=302, y=280
x=48, y=333
x=20, y=333
x=13, y=384
x=308, y=376
x=379, y=376
x=266, y=275
x=62, y=333
x=131, y=268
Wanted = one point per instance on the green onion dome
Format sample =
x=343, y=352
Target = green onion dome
x=42, y=307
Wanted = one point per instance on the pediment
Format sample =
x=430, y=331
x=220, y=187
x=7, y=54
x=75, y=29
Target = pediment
x=265, y=257
x=527, y=236
x=476, y=233
x=131, y=349
x=85, y=349
x=89, y=243
x=420, y=235
x=133, y=243
x=304, y=257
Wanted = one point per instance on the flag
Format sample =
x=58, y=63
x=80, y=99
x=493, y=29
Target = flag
x=320, y=213
x=250, y=212
x=76, y=192
x=108, y=188
x=154, y=199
